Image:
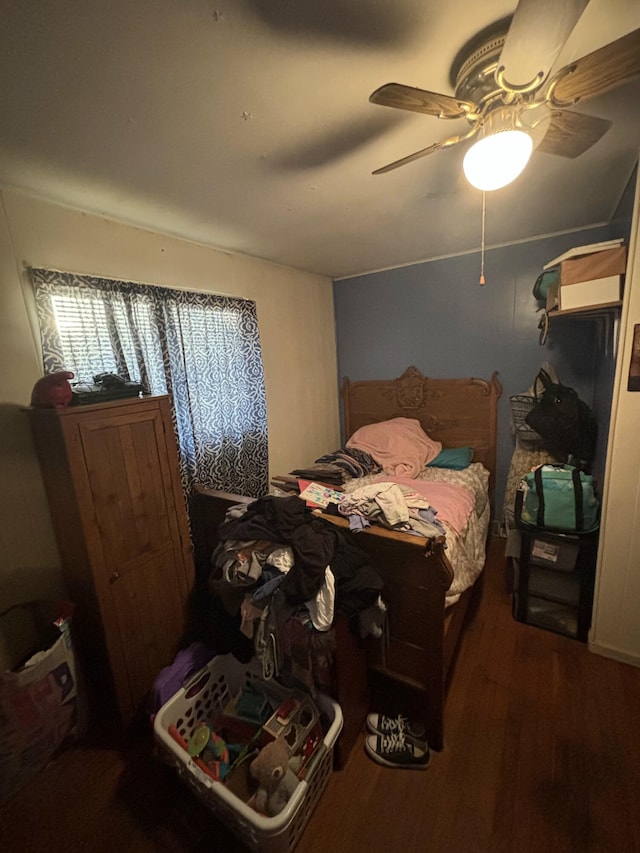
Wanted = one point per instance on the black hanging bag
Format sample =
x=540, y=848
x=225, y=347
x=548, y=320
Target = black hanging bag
x=563, y=421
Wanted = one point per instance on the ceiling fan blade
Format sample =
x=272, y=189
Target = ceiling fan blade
x=537, y=34
x=600, y=71
x=571, y=134
x=420, y=101
x=446, y=143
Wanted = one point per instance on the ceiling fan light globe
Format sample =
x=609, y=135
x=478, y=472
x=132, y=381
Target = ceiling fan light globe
x=498, y=159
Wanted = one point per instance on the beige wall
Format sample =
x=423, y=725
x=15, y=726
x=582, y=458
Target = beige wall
x=295, y=315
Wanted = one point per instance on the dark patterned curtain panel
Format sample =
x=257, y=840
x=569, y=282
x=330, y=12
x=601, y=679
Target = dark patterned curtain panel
x=201, y=349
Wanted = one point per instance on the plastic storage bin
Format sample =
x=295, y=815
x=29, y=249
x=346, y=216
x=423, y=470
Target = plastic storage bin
x=559, y=553
x=208, y=693
x=554, y=581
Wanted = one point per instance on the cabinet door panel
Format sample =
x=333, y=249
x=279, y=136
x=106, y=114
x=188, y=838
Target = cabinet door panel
x=150, y=622
x=124, y=463
x=134, y=510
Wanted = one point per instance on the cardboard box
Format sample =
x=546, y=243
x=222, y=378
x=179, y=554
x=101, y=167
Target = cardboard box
x=596, y=265
x=589, y=294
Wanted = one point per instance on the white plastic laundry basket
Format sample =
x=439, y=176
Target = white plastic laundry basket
x=207, y=694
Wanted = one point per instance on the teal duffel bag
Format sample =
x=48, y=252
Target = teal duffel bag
x=560, y=497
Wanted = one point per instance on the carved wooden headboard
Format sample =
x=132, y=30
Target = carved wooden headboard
x=457, y=412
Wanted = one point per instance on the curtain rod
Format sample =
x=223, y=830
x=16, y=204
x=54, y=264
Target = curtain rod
x=28, y=266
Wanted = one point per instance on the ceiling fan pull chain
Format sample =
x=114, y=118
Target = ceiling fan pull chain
x=484, y=211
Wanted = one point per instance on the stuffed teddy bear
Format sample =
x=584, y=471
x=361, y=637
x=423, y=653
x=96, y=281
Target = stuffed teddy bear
x=52, y=390
x=276, y=780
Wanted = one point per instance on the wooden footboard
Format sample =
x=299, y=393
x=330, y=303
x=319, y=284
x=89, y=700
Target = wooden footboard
x=416, y=575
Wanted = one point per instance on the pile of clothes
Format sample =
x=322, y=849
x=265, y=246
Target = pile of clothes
x=285, y=574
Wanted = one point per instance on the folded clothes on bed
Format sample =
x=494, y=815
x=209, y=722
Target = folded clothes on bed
x=453, y=503
x=340, y=465
x=392, y=505
x=325, y=473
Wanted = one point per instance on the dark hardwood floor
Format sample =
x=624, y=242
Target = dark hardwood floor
x=542, y=753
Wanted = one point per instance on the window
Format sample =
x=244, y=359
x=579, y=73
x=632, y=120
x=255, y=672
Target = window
x=201, y=349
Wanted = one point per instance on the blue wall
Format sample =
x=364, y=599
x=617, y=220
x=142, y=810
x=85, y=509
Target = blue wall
x=436, y=316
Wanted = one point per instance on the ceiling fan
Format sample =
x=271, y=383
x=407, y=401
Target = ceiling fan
x=504, y=88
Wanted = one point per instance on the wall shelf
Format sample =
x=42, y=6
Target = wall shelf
x=606, y=315
x=607, y=308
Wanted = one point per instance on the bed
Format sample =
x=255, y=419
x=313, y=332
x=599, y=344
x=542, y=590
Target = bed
x=428, y=582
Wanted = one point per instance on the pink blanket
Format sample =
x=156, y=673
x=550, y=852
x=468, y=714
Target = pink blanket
x=399, y=445
x=453, y=504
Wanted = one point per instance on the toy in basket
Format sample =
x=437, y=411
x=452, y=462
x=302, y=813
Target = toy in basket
x=297, y=722
x=207, y=700
x=275, y=774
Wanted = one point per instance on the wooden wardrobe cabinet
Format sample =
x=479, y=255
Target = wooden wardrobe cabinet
x=111, y=475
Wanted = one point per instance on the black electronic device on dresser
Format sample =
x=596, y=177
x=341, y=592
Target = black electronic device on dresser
x=554, y=580
x=105, y=386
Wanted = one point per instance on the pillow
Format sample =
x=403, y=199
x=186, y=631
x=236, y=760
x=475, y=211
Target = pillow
x=455, y=458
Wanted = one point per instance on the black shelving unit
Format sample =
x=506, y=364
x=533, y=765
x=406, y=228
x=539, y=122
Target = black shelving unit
x=554, y=580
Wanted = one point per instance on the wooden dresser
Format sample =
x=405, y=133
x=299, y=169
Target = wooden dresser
x=111, y=475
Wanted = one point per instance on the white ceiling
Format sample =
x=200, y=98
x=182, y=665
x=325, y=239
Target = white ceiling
x=245, y=125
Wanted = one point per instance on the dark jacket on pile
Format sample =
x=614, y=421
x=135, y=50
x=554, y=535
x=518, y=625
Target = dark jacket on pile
x=315, y=544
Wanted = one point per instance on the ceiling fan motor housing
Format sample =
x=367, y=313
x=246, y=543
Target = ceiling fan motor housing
x=473, y=70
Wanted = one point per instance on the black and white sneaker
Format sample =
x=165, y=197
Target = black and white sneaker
x=398, y=750
x=381, y=724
